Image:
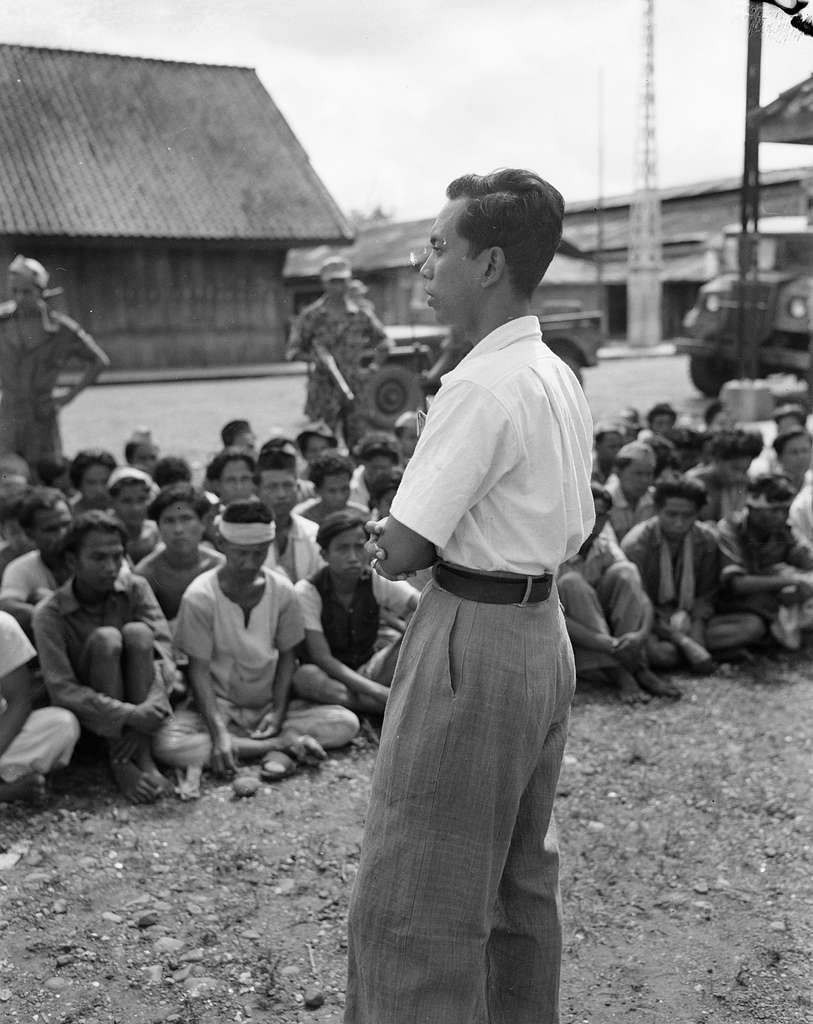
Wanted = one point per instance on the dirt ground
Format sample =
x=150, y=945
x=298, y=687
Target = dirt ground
x=687, y=846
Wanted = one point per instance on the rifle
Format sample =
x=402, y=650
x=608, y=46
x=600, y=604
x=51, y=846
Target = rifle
x=329, y=363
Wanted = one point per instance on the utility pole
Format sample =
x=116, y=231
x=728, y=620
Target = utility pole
x=749, y=201
x=601, y=305
x=645, y=249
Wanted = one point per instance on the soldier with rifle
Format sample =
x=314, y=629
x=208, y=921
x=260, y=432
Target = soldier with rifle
x=333, y=335
x=36, y=343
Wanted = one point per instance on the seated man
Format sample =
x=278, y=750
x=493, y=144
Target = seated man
x=14, y=540
x=130, y=492
x=239, y=625
x=314, y=439
x=330, y=475
x=32, y=743
x=609, y=617
x=294, y=550
x=679, y=564
x=238, y=434
x=631, y=487
x=661, y=418
x=608, y=440
x=90, y=470
x=104, y=650
x=342, y=606
x=141, y=451
x=726, y=475
x=793, y=448
x=55, y=471
x=377, y=454
x=230, y=475
x=46, y=518
x=179, y=512
x=405, y=429
x=765, y=566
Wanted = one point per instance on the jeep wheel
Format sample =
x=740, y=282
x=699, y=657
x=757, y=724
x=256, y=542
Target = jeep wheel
x=393, y=390
x=709, y=373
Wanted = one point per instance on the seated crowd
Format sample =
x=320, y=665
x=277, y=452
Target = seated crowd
x=192, y=627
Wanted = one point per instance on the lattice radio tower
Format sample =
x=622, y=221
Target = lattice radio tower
x=645, y=257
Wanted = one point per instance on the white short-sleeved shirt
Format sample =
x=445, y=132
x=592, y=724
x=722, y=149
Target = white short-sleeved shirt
x=396, y=596
x=27, y=578
x=15, y=647
x=302, y=557
x=242, y=658
x=500, y=478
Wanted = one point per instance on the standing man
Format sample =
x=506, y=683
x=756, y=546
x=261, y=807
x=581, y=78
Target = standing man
x=455, y=914
x=335, y=327
x=35, y=344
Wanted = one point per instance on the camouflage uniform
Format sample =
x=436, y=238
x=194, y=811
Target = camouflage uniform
x=347, y=335
x=31, y=358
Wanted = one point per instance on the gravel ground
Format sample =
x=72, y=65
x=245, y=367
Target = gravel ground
x=687, y=843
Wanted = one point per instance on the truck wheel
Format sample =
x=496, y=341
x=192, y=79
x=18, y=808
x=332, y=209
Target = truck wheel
x=393, y=390
x=708, y=374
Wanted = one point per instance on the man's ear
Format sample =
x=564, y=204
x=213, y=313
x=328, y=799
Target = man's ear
x=494, y=268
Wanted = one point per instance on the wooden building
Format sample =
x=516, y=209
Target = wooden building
x=163, y=197
x=692, y=217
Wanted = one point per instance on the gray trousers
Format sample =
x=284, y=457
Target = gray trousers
x=455, y=916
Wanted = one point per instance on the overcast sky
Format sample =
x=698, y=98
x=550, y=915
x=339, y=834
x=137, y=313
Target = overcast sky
x=391, y=99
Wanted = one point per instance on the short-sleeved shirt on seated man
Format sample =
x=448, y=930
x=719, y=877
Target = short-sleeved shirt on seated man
x=301, y=557
x=242, y=655
x=169, y=582
x=28, y=579
x=396, y=596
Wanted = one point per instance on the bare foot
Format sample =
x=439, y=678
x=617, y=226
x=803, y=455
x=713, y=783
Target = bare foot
x=655, y=685
x=307, y=750
x=628, y=689
x=30, y=788
x=133, y=783
x=187, y=782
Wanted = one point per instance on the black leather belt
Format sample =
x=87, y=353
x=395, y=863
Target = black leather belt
x=490, y=589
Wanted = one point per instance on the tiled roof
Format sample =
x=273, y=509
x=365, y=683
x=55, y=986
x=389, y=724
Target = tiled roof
x=789, y=118
x=97, y=145
x=381, y=246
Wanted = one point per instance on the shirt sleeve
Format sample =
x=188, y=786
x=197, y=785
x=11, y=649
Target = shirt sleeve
x=707, y=576
x=801, y=552
x=396, y=596
x=16, y=585
x=290, y=627
x=310, y=605
x=732, y=556
x=16, y=649
x=194, y=627
x=103, y=715
x=438, y=486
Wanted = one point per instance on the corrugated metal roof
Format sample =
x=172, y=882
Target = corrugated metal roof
x=98, y=145
x=789, y=118
x=381, y=246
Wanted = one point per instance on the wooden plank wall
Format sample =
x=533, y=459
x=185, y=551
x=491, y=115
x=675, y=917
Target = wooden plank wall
x=151, y=306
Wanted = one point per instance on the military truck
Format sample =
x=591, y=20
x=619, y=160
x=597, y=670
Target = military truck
x=776, y=303
x=418, y=354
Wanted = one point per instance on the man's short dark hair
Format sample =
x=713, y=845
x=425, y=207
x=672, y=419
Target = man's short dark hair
x=172, y=469
x=378, y=442
x=214, y=470
x=247, y=510
x=684, y=487
x=178, y=494
x=275, y=458
x=51, y=467
x=774, y=487
x=232, y=430
x=336, y=523
x=782, y=439
x=385, y=484
x=727, y=445
x=38, y=499
x=330, y=463
x=661, y=409
x=87, y=522
x=86, y=458
x=11, y=506
x=516, y=211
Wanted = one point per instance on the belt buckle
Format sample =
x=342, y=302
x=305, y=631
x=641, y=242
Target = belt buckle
x=529, y=582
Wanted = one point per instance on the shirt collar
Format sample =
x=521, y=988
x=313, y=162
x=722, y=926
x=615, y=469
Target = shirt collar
x=66, y=595
x=506, y=334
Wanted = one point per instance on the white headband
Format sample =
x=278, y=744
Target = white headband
x=245, y=533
